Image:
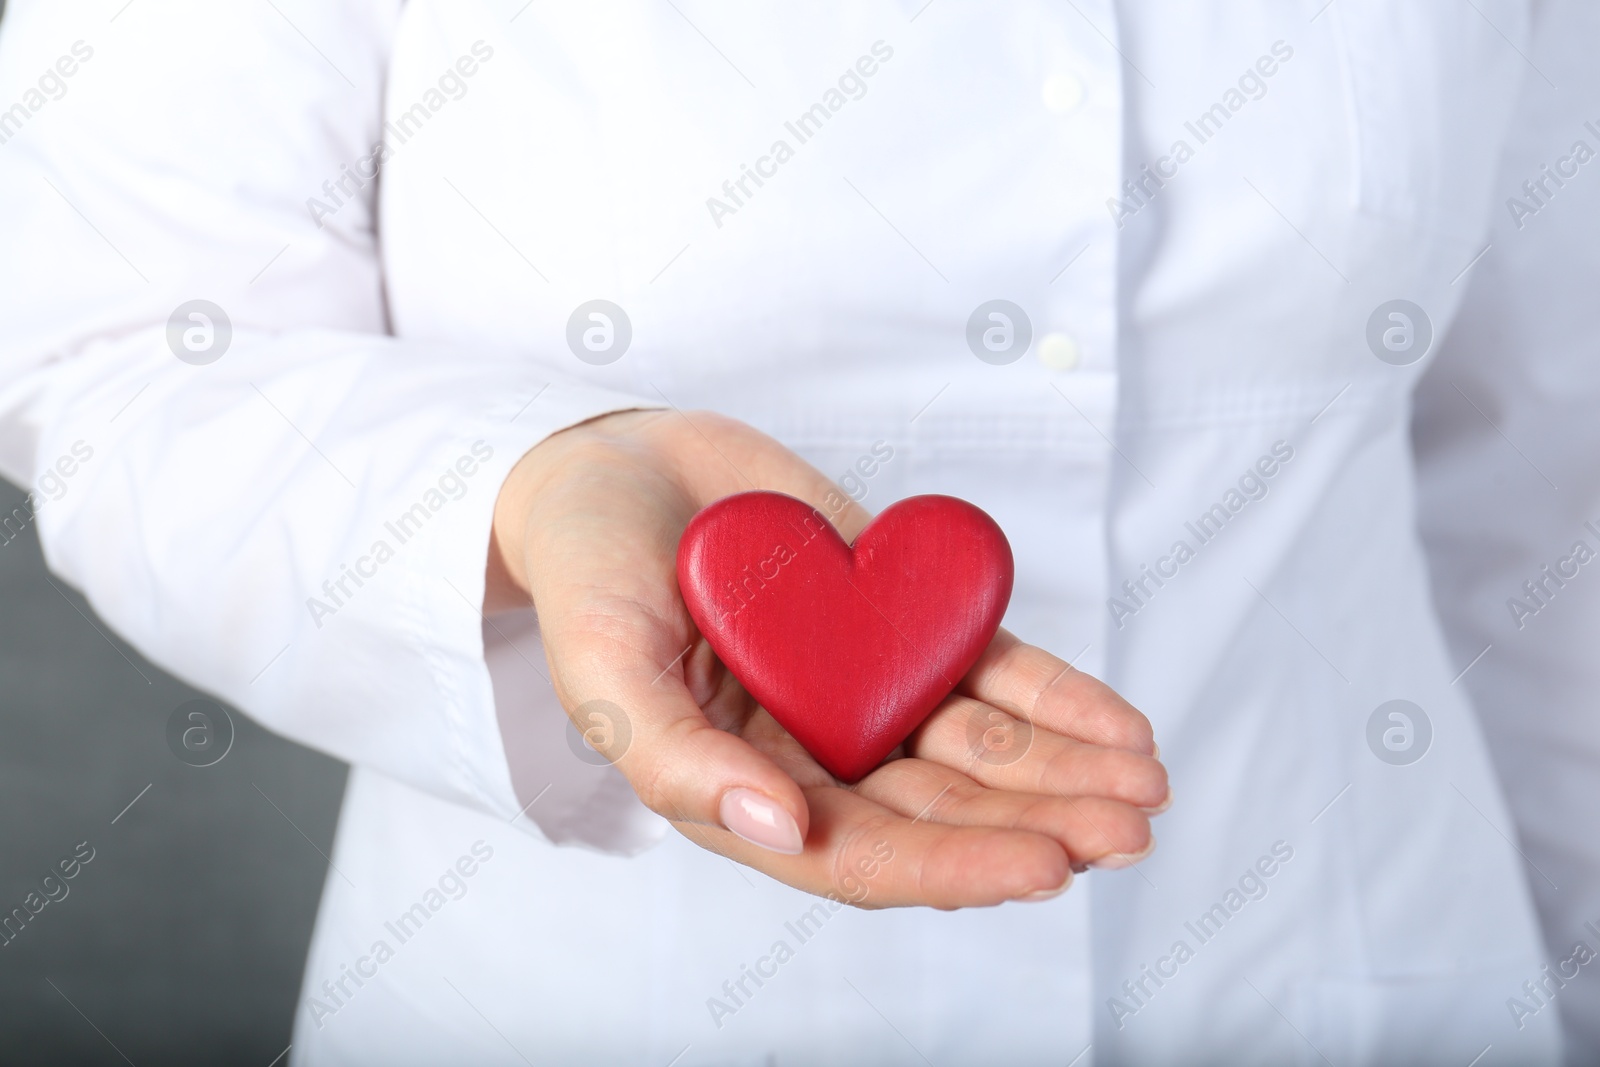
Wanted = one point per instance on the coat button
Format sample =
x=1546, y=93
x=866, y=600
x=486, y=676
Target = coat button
x=1062, y=92
x=1058, y=351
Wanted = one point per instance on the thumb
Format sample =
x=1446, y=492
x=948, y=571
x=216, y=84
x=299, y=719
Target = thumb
x=650, y=726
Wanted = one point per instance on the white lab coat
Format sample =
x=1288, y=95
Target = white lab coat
x=1199, y=355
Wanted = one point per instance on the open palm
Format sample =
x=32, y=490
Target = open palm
x=1029, y=771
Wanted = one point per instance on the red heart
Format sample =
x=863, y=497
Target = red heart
x=849, y=648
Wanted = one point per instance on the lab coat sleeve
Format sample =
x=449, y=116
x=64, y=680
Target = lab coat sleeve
x=300, y=526
x=1508, y=443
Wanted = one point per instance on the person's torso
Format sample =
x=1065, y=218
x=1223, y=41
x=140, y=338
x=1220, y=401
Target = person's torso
x=1193, y=218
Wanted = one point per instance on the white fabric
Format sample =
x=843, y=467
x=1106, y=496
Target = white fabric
x=1180, y=340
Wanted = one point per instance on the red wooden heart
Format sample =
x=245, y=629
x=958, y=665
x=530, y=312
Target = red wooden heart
x=849, y=648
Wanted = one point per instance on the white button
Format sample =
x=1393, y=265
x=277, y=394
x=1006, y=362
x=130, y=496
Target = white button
x=1062, y=92
x=1058, y=351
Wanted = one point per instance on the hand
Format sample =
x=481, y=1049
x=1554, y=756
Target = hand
x=587, y=527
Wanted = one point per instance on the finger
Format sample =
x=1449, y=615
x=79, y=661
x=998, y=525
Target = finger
x=681, y=766
x=999, y=750
x=769, y=737
x=1047, y=691
x=860, y=852
x=1094, y=831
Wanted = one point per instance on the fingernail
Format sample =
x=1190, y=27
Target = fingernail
x=760, y=821
x=1118, y=860
x=1155, y=750
x=1047, y=894
x=1163, y=806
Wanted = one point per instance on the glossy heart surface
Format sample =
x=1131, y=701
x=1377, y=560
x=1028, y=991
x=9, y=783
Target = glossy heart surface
x=848, y=647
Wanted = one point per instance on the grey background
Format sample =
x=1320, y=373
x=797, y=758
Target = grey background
x=183, y=940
